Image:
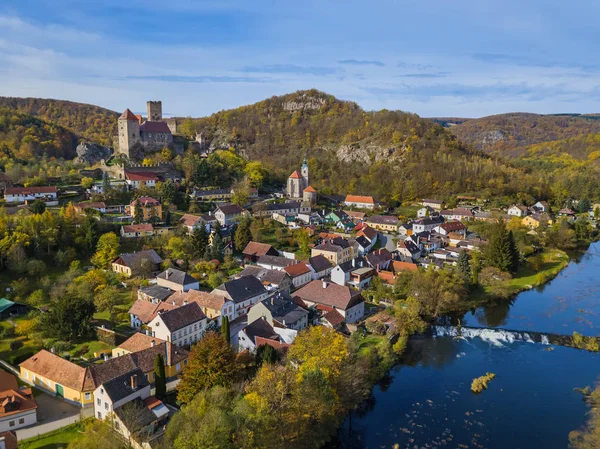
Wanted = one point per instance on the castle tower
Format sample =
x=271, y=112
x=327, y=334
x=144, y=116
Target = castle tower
x=304, y=172
x=154, y=111
x=129, y=131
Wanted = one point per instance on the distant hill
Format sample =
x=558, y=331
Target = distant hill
x=24, y=136
x=510, y=134
x=87, y=122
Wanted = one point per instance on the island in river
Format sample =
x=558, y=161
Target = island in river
x=426, y=402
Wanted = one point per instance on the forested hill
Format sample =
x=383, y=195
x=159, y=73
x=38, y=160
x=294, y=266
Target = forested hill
x=86, y=121
x=510, y=134
x=392, y=155
x=25, y=137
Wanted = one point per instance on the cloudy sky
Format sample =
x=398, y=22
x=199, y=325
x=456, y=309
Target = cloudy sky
x=461, y=58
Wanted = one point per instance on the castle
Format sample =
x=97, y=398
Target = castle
x=152, y=134
x=298, y=186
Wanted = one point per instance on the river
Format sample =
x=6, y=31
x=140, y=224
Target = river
x=426, y=401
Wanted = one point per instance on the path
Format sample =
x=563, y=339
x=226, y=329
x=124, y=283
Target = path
x=387, y=241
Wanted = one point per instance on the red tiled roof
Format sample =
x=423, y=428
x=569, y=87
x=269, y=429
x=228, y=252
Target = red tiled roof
x=30, y=190
x=329, y=294
x=141, y=176
x=56, y=369
x=297, y=270
x=10, y=440
x=155, y=127
x=256, y=249
x=398, y=265
x=128, y=115
x=360, y=199
x=138, y=342
x=296, y=175
x=334, y=318
x=274, y=343
x=144, y=227
x=310, y=189
x=146, y=201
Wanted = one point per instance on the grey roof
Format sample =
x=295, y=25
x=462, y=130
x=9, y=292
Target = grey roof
x=283, y=206
x=177, y=276
x=134, y=259
x=357, y=262
x=278, y=261
x=363, y=241
x=243, y=288
x=383, y=219
x=260, y=328
x=180, y=317
x=231, y=209
x=429, y=221
x=120, y=387
x=136, y=420
x=265, y=275
x=158, y=292
x=319, y=263
x=283, y=309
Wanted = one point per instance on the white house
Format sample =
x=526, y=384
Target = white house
x=177, y=280
x=320, y=266
x=280, y=311
x=244, y=292
x=426, y=224
x=119, y=391
x=345, y=300
x=23, y=194
x=18, y=407
x=517, y=210
x=300, y=274
x=181, y=326
x=361, y=202
x=137, y=180
x=228, y=213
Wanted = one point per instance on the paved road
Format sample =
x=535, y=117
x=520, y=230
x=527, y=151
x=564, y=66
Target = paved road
x=387, y=241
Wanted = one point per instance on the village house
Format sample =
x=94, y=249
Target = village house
x=541, y=207
x=18, y=407
x=280, y=310
x=362, y=245
x=141, y=262
x=361, y=202
x=459, y=213
x=257, y=333
x=386, y=223
x=355, y=215
x=10, y=308
x=228, y=213
x=517, y=210
x=336, y=250
x=135, y=180
x=181, y=326
x=271, y=279
x=143, y=311
x=319, y=266
x=408, y=248
x=116, y=392
x=405, y=229
x=244, y=292
x=8, y=440
x=380, y=259
x=177, y=280
x=27, y=194
x=137, y=230
x=150, y=207
x=99, y=206
x=254, y=250
x=345, y=300
x=148, y=423
x=193, y=222
x=451, y=226
x=390, y=275
x=426, y=211
x=356, y=272
x=434, y=204
x=275, y=262
x=426, y=224
x=300, y=274
x=335, y=216
x=215, y=307
x=536, y=220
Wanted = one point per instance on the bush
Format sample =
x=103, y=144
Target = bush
x=481, y=383
x=6, y=333
x=62, y=346
x=15, y=345
x=400, y=345
x=592, y=344
x=578, y=340
x=15, y=359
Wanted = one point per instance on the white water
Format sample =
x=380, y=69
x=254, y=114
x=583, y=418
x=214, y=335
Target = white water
x=493, y=336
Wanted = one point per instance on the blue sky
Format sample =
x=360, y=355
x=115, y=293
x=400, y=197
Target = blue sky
x=460, y=58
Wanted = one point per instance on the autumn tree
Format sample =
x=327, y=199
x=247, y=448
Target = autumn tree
x=211, y=362
x=437, y=291
x=107, y=250
x=138, y=213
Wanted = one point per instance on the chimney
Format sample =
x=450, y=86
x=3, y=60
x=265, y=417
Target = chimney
x=167, y=274
x=105, y=355
x=324, y=284
x=52, y=350
x=153, y=343
x=148, y=332
x=353, y=263
x=168, y=353
x=134, y=382
x=184, y=302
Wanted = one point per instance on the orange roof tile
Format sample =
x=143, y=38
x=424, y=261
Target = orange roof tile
x=310, y=189
x=296, y=175
x=359, y=199
x=128, y=115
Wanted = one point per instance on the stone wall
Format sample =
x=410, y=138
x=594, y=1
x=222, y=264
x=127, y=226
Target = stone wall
x=156, y=141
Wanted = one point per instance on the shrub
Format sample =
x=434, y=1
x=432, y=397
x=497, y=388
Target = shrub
x=6, y=333
x=62, y=346
x=578, y=340
x=15, y=345
x=481, y=383
x=592, y=344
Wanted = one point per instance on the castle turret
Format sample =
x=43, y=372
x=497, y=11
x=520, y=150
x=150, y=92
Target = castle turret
x=154, y=111
x=304, y=171
x=129, y=131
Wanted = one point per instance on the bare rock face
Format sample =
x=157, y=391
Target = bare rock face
x=90, y=153
x=305, y=102
x=367, y=154
x=491, y=137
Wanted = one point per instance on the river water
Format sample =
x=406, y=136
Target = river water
x=426, y=400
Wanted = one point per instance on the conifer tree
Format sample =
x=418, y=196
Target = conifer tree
x=138, y=213
x=199, y=241
x=243, y=234
x=463, y=266
x=225, y=328
x=160, y=378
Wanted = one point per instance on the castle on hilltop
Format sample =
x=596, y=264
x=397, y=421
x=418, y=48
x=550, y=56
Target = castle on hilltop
x=152, y=134
x=298, y=186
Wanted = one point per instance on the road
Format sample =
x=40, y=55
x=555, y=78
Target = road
x=387, y=241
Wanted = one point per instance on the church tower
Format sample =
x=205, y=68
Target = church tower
x=304, y=172
x=129, y=131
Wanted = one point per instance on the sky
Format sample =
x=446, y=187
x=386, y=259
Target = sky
x=437, y=58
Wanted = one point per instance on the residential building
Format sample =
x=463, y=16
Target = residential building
x=408, y=248
x=355, y=215
x=271, y=279
x=214, y=306
x=451, y=226
x=536, y=220
x=275, y=262
x=425, y=211
x=380, y=259
x=119, y=391
x=280, y=311
x=362, y=245
x=8, y=440
x=98, y=206
x=143, y=311
x=434, y=204
x=356, y=272
x=346, y=225
x=135, y=180
x=337, y=250
x=177, y=280
x=26, y=194
x=257, y=333
x=147, y=428
x=517, y=210
x=541, y=207
x=150, y=207
x=193, y=222
x=369, y=233
x=459, y=213
x=18, y=407
x=254, y=250
x=426, y=224
x=347, y=301
x=335, y=216
x=138, y=263
x=228, y=213
x=320, y=266
x=300, y=274
x=361, y=202
x=137, y=230
x=406, y=229
x=182, y=326
x=386, y=223
x=390, y=275
x=244, y=292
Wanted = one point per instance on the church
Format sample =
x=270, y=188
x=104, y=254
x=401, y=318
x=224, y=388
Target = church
x=298, y=186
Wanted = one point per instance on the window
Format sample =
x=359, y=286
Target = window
x=21, y=420
x=99, y=415
x=117, y=425
x=185, y=362
x=178, y=367
x=106, y=406
x=98, y=402
x=11, y=424
x=88, y=396
x=101, y=390
x=153, y=375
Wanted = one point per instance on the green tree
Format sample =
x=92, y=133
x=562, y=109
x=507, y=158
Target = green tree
x=107, y=250
x=211, y=362
x=188, y=128
x=266, y=354
x=243, y=233
x=138, y=213
x=69, y=318
x=98, y=435
x=86, y=182
x=37, y=207
x=160, y=378
x=199, y=241
x=225, y=328
x=217, y=249
x=463, y=266
x=105, y=183
x=583, y=228
x=502, y=251
x=167, y=191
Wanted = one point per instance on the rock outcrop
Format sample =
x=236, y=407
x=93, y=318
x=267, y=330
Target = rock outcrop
x=91, y=153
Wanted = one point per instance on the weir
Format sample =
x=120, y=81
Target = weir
x=499, y=336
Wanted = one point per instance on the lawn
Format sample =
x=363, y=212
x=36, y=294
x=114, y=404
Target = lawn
x=58, y=439
x=407, y=211
x=280, y=237
x=369, y=341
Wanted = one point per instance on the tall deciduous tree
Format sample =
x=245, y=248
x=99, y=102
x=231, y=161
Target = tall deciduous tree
x=106, y=251
x=69, y=318
x=211, y=362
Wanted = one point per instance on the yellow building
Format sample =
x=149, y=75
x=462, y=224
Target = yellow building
x=150, y=208
x=535, y=221
x=336, y=250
